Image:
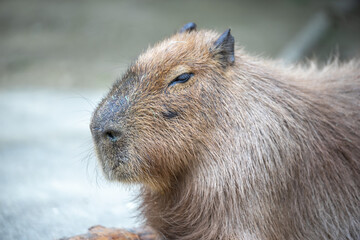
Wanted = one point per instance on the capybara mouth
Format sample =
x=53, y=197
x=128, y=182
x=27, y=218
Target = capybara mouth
x=116, y=170
x=115, y=165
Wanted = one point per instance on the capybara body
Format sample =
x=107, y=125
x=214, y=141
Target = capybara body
x=230, y=146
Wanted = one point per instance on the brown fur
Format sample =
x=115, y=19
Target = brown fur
x=256, y=150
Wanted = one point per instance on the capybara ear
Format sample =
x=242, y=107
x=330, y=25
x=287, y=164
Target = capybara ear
x=188, y=27
x=223, y=48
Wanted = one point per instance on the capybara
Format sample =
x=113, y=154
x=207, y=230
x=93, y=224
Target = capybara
x=230, y=146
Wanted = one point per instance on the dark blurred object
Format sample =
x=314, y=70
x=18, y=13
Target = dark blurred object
x=318, y=26
x=103, y=233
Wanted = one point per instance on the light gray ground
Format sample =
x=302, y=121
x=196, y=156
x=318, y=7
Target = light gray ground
x=50, y=185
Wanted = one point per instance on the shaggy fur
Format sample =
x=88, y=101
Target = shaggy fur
x=250, y=150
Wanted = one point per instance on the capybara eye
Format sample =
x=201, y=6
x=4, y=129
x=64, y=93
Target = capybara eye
x=181, y=78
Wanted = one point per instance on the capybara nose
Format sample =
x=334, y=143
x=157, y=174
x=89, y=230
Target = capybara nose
x=111, y=135
x=104, y=133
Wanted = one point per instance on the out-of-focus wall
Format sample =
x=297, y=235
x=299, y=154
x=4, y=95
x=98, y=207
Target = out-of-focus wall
x=88, y=43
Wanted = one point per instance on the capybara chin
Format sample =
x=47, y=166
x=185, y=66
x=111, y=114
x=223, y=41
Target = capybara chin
x=230, y=146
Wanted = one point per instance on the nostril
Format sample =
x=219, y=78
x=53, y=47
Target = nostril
x=112, y=135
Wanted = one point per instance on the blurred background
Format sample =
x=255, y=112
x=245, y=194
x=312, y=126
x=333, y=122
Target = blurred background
x=58, y=58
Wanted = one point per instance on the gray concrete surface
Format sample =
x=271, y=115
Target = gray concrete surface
x=49, y=183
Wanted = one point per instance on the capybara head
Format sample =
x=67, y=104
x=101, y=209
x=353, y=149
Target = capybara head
x=150, y=126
